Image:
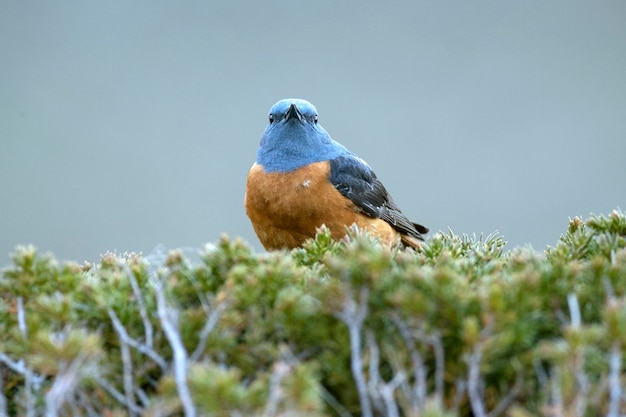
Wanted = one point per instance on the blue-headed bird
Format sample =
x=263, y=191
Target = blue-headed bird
x=303, y=179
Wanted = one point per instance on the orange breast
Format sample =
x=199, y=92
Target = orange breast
x=287, y=208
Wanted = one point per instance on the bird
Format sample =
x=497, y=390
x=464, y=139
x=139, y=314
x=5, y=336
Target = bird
x=303, y=179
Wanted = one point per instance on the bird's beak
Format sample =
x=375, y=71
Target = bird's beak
x=293, y=112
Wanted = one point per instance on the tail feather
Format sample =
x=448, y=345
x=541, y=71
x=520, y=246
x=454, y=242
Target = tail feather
x=410, y=242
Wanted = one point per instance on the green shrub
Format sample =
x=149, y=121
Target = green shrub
x=463, y=328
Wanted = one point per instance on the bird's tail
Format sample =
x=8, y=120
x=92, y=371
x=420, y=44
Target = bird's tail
x=410, y=242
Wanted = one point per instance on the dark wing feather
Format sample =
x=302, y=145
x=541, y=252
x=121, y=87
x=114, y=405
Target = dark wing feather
x=355, y=180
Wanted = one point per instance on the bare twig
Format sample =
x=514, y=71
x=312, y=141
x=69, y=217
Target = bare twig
x=85, y=402
x=143, y=312
x=580, y=402
x=3, y=398
x=168, y=323
x=15, y=366
x=28, y=393
x=31, y=379
x=334, y=403
x=382, y=392
x=210, y=324
x=608, y=288
x=353, y=315
x=141, y=394
x=440, y=366
x=127, y=376
x=615, y=357
x=374, y=374
x=461, y=387
x=574, y=309
x=473, y=381
x=113, y=392
x=71, y=403
x=508, y=398
x=281, y=369
x=28, y=374
x=417, y=363
x=557, y=393
x=615, y=386
x=542, y=376
x=21, y=318
x=387, y=392
x=581, y=393
x=141, y=347
x=63, y=386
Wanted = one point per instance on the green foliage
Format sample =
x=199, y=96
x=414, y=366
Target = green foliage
x=462, y=328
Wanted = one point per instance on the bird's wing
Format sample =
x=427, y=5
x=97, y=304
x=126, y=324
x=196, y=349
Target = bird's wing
x=355, y=180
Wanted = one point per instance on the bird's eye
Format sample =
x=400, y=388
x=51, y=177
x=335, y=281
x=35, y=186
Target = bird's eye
x=315, y=119
x=271, y=118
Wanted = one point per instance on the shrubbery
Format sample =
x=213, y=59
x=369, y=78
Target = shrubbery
x=463, y=328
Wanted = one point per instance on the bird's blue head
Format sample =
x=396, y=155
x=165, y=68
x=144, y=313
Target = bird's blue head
x=293, y=138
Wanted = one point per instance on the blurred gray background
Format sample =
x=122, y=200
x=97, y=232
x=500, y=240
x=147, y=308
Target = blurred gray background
x=128, y=124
